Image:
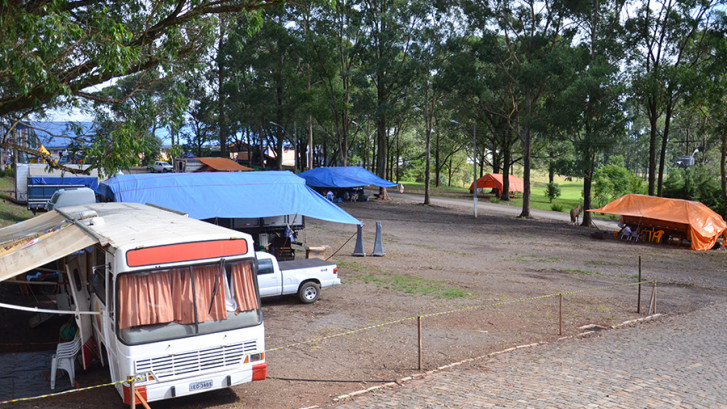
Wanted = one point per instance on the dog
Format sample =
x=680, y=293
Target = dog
x=575, y=214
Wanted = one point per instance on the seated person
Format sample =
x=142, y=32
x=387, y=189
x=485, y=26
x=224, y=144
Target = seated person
x=625, y=232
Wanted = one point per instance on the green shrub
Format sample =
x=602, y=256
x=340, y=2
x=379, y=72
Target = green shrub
x=556, y=207
x=552, y=191
x=493, y=199
x=613, y=181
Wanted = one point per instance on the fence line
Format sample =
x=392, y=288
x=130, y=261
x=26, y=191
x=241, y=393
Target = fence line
x=384, y=324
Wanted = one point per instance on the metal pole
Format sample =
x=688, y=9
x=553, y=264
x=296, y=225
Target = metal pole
x=654, y=296
x=474, y=167
x=419, y=331
x=638, y=298
x=560, y=314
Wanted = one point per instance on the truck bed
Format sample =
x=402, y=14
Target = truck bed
x=303, y=263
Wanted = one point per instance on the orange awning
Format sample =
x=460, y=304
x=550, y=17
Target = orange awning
x=702, y=225
x=494, y=181
x=223, y=164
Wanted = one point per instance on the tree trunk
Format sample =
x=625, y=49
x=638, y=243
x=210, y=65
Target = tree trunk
x=652, y=147
x=220, y=98
x=505, y=174
x=664, y=138
x=381, y=153
x=723, y=173
x=587, y=220
x=428, y=136
x=437, y=164
x=526, y=156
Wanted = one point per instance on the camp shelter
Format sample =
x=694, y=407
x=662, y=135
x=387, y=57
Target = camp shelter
x=343, y=177
x=693, y=220
x=494, y=181
x=209, y=195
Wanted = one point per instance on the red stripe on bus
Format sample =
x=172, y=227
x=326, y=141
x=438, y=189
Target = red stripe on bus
x=175, y=253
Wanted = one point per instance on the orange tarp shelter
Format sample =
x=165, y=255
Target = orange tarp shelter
x=223, y=165
x=700, y=224
x=494, y=181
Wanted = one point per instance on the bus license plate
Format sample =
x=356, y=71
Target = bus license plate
x=198, y=386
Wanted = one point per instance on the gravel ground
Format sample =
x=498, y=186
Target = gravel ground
x=481, y=285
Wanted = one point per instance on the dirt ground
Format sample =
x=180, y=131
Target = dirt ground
x=481, y=285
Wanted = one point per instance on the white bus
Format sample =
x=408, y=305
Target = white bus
x=177, y=300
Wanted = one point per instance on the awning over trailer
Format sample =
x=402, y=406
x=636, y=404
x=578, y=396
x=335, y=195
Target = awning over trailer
x=38, y=241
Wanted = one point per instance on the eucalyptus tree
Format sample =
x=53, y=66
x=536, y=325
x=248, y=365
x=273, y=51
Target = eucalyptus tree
x=593, y=97
x=667, y=39
x=130, y=126
x=331, y=33
x=268, y=63
x=52, y=52
x=525, y=37
x=715, y=69
x=385, y=47
x=429, y=57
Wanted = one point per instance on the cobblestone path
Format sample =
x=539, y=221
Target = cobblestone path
x=671, y=362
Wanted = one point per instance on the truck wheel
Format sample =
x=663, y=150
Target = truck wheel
x=308, y=292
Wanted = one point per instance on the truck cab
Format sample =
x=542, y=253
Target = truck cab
x=304, y=278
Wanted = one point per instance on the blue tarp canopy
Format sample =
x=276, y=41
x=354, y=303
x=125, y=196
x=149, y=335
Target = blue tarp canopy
x=342, y=177
x=90, y=181
x=206, y=195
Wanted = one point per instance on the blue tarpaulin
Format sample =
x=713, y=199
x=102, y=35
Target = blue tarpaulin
x=90, y=181
x=206, y=195
x=342, y=177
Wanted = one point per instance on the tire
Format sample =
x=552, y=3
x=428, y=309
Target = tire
x=308, y=292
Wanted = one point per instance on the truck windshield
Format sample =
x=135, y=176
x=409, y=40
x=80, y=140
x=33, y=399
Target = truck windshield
x=180, y=302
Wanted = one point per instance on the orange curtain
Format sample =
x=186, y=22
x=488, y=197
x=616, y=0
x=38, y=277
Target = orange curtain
x=242, y=282
x=166, y=296
x=146, y=299
x=204, y=287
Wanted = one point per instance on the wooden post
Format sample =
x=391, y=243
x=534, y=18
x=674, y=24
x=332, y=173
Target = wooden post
x=132, y=392
x=638, y=298
x=560, y=314
x=419, y=331
x=141, y=399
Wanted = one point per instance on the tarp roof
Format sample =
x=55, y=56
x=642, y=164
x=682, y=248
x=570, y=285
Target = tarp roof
x=494, y=181
x=38, y=241
x=702, y=224
x=223, y=164
x=206, y=195
x=342, y=177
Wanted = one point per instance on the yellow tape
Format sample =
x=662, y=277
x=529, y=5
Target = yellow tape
x=50, y=395
x=354, y=331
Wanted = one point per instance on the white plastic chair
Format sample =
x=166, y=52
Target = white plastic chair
x=65, y=358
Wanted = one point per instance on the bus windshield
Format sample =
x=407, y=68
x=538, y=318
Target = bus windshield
x=180, y=302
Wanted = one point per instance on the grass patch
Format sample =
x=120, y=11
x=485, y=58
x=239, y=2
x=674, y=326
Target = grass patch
x=536, y=259
x=408, y=284
x=10, y=213
x=584, y=272
x=571, y=193
x=352, y=266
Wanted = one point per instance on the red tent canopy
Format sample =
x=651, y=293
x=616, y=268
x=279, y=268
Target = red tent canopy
x=494, y=181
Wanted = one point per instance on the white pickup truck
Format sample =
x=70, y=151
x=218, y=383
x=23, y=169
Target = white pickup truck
x=304, y=277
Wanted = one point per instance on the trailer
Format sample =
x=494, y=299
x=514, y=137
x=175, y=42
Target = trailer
x=35, y=183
